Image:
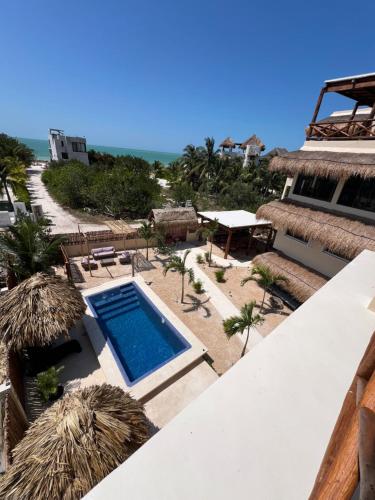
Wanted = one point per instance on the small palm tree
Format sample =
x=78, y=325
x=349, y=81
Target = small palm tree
x=245, y=322
x=209, y=232
x=265, y=278
x=28, y=248
x=13, y=174
x=146, y=232
x=179, y=264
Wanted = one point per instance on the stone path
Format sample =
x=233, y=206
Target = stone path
x=62, y=220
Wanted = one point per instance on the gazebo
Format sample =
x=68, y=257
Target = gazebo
x=235, y=221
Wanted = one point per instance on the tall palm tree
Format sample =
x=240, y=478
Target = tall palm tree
x=208, y=232
x=28, y=247
x=146, y=232
x=13, y=174
x=245, y=322
x=265, y=278
x=179, y=264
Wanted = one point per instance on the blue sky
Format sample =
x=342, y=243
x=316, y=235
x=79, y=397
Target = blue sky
x=161, y=74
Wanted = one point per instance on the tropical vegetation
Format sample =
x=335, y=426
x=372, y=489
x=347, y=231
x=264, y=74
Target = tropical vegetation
x=243, y=323
x=114, y=186
x=265, y=278
x=178, y=264
x=146, y=232
x=208, y=232
x=47, y=382
x=28, y=247
x=15, y=157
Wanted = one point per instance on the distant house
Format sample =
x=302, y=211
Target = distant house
x=177, y=223
x=249, y=149
x=63, y=147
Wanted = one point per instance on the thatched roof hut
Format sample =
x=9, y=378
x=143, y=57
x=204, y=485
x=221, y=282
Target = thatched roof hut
x=302, y=282
x=175, y=222
x=228, y=143
x=325, y=164
x=74, y=444
x=253, y=141
x=38, y=311
x=342, y=235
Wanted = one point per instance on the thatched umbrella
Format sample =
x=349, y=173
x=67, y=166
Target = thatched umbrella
x=38, y=311
x=74, y=444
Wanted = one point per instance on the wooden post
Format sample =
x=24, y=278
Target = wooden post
x=88, y=254
x=251, y=234
x=317, y=107
x=227, y=245
x=366, y=453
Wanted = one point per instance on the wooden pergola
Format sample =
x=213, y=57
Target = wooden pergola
x=232, y=221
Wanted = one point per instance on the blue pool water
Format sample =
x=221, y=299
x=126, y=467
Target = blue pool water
x=141, y=337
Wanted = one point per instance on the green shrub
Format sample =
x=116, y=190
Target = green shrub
x=47, y=382
x=199, y=259
x=198, y=286
x=207, y=257
x=220, y=275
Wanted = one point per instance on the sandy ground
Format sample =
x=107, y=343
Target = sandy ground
x=241, y=295
x=196, y=312
x=63, y=221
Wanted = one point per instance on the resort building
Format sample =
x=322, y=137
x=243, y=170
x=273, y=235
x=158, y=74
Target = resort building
x=63, y=147
x=248, y=150
x=326, y=216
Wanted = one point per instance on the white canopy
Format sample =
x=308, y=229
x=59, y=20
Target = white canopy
x=234, y=218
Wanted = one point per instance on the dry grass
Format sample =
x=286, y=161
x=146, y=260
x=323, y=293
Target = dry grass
x=38, y=311
x=325, y=164
x=74, y=444
x=342, y=235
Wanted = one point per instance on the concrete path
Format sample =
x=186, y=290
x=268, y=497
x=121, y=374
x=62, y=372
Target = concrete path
x=62, y=220
x=217, y=298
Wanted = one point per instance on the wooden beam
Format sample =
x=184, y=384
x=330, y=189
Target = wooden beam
x=319, y=102
x=227, y=245
x=366, y=454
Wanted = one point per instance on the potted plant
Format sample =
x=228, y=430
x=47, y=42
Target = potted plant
x=48, y=384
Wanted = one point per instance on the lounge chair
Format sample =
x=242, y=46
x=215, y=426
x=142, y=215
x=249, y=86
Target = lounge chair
x=85, y=264
x=38, y=359
x=125, y=258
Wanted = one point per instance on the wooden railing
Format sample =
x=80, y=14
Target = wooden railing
x=342, y=130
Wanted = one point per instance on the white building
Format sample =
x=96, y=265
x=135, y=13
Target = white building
x=63, y=147
x=327, y=214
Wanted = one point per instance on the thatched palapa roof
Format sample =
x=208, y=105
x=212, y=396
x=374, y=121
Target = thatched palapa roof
x=325, y=164
x=175, y=216
x=228, y=143
x=74, y=444
x=301, y=283
x=38, y=311
x=339, y=234
x=253, y=141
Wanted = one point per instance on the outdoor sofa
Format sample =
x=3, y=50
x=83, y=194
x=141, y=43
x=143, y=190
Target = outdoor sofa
x=103, y=253
x=85, y=264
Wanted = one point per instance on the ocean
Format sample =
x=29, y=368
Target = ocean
x=40, y=148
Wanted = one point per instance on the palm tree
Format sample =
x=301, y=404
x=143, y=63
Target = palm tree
x=28, y=247
x=146, y=232
x=13, y=174
x=245, y=322
x=208, y=232
x=179, y=264
x=265, y=278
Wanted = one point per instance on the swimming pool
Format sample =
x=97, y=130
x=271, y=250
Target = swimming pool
x=141, y=337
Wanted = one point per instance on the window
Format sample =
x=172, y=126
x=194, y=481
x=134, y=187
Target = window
x=62, y=144
x=338, y=255
x=79, y=147
x=319, y=188
x=358, y=193
x=295, y=237
x=65, y=156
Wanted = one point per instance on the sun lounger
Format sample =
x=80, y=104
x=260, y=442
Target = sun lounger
x=125, y=258
x=85, y=264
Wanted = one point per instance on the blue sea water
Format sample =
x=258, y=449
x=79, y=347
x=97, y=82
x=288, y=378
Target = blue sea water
x=40, y=148
x=142, y=339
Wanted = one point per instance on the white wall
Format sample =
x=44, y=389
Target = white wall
x=310, y=254
x=261, y=431
x=57, y=148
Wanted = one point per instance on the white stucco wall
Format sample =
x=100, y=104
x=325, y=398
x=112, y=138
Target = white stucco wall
x=57, y=148
x=261, y=430
x=310, y=254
